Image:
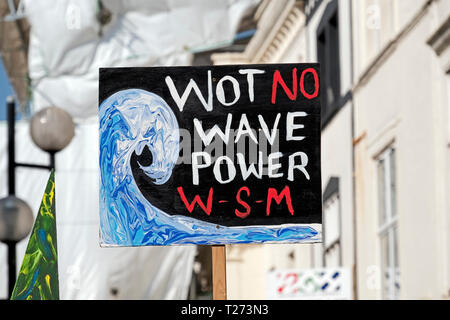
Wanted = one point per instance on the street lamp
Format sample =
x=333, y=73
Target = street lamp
x=51, y=129
x=16, y=219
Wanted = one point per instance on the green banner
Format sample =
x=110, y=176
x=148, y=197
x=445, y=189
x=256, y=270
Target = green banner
x=38, y=276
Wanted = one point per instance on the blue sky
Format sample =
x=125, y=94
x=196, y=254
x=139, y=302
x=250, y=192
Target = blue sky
x=5, y=90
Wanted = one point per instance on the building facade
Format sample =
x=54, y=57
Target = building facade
x=385, y=143
x=401, y=148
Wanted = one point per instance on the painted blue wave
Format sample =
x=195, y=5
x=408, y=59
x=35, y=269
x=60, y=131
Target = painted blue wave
x=130, y=120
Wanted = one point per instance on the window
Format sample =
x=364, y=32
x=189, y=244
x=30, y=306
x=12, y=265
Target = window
x=328, y=57
x=388, y=229
x=332, y=224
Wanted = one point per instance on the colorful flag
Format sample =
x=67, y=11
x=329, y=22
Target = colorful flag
x=38, y=276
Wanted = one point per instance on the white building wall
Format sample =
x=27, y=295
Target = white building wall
x=401, y=102
x=337, y=162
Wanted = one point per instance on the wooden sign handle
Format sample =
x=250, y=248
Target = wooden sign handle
x=219, y=273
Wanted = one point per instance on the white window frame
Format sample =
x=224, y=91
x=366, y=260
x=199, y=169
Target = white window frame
x=389, y=226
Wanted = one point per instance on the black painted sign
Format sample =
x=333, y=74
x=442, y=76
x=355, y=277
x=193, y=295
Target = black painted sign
x=222, y=146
